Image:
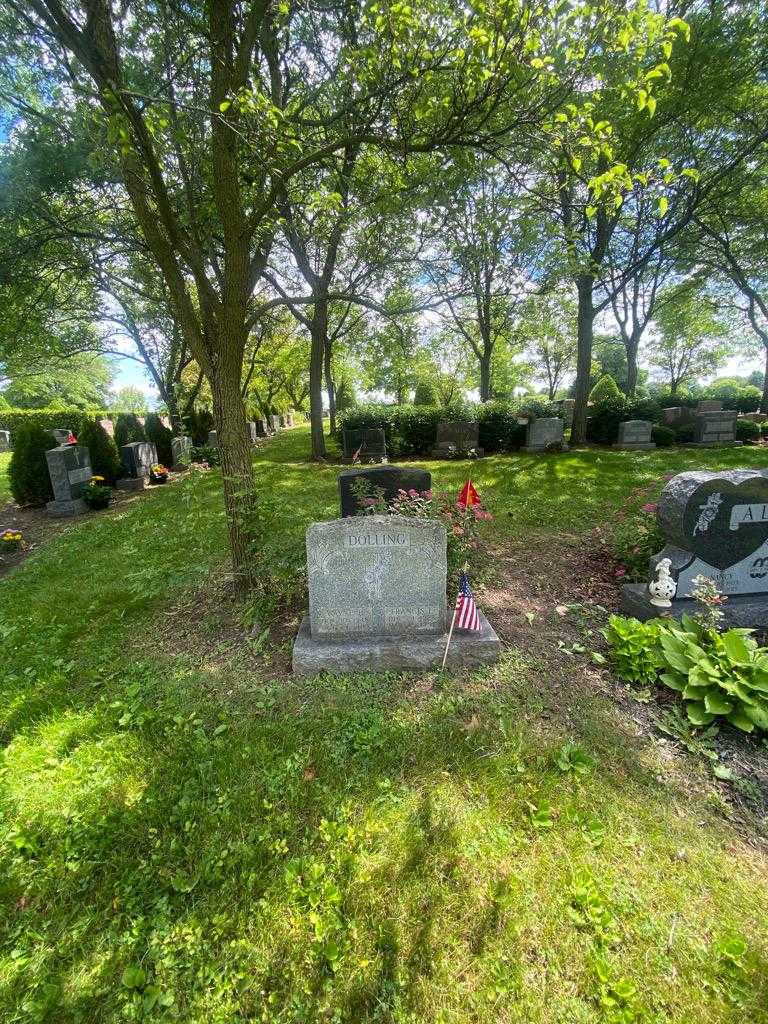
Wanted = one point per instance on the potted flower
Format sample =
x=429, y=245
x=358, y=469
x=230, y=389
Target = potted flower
x=11, y=540
x=158, y=474
x=96, y=494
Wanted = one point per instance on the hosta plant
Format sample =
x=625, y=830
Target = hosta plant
x=718, y=675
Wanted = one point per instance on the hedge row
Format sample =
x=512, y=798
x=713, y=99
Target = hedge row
x=412, y=429
x=48, y=419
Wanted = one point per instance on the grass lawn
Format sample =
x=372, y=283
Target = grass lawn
x=187, y=833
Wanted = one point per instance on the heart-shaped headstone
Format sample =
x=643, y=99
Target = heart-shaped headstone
x=724, y=517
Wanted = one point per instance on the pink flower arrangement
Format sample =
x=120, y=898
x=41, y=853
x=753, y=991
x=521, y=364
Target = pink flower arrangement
x=649, y=507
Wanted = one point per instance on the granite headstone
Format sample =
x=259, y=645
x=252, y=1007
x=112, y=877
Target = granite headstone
x=715, y=525
x=377, y=599
x=635, y=435
x=544, y=433
x=261, y=427
x=213, y=439
x=274, y=423
x=137, y=459
x=457, y=436
x=5, y=440
x=676, y=415
x=709, y=405
x=367, y=443
x=69, y=467
x=715, y=428
x=385, y=479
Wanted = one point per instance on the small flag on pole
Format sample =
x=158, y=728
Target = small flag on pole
x=466, y=610
x=465, y=614
x=468, y=496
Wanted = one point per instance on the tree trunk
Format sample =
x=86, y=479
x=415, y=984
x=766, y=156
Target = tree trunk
x=585, y=331
x=236, y=469
x=485, y=376
x=632, y=344
x=174, y=413
x=330, y=386
x=764, y=399
x=318, y=333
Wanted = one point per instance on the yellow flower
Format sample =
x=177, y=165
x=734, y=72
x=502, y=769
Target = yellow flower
x=98, y=479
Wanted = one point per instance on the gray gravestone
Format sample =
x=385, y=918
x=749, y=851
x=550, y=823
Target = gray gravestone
x=377, y=599
x=137, y=459
x=544, y=433
x=715, y=525
x=252, y=432
x=387, y=479
x=715, y=428
x=709, y=405
x=5, y=440
x=635, y=435
x=456, y=436
x=676, y=415
x=274, y=423
x=366, y=443
x=69, y=467
x=182, y=450
x=261, y=427
x=289, y=419
x=213, y=439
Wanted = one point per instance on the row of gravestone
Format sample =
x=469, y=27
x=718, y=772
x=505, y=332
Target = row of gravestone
x=69, y=467
x=258, y=428
x=454, y=437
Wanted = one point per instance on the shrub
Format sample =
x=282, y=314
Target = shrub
x=426, y=393
x=606, y=390
x=48, y=419
x=105, y=458
x=96, y=494
x=764, y=428
x=160, y=436
x=198, y=424
x=28, y=473
x=663, y=437
x=684, y=433
x=499, y=430
x=128, y=429
x=206, y=453
x=746, y=430
x=604, y=419
x=718, y=675
x=637, y=535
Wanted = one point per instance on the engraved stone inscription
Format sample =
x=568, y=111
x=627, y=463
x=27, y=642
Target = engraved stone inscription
x=376, y=576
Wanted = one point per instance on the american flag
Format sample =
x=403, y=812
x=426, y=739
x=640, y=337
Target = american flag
x=467, y=616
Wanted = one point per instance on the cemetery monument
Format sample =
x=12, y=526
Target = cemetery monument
x=457, y=438
x=715, y=525
x=377, y=600
x=69, y=467
x=635, y=435
x=543, y=434
x=387, y=479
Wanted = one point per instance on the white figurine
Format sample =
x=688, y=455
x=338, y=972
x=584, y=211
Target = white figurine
x=663, y=588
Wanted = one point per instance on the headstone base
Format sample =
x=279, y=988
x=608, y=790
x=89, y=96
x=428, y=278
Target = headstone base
x=444, y=452
x=712, y=444
x=742, y=610
x=64, y=509
x=386, y=654
x=633, y=447
x=129, y=483
x=539, y=449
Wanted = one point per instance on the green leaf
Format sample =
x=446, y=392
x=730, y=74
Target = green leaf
x=663, y=205
x=717, y=705
x=722, y=771
x=697, y=713
x=740, y=720
x=224, y=107
x=736, y=647
x=134, y=977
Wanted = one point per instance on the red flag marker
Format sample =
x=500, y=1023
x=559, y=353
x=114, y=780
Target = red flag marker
x=71, y=439
x=468, y=496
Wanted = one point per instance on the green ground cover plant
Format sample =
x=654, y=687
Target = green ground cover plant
x=188, y=833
